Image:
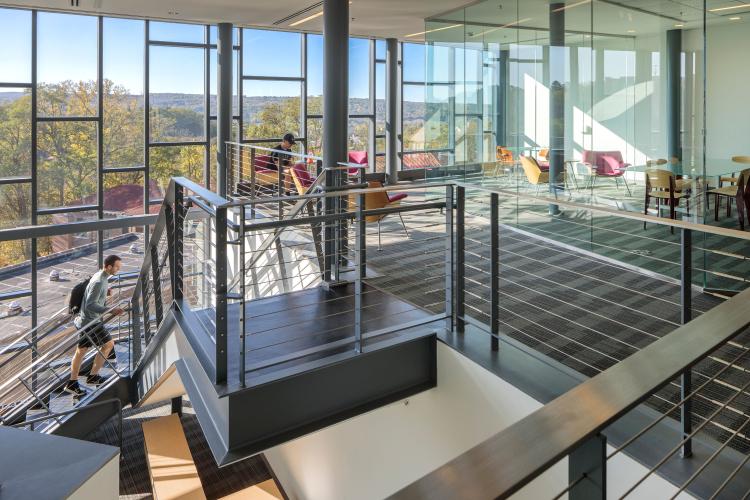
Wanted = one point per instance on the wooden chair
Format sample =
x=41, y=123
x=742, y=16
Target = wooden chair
x=660, y=185
x=301, y=177
x=733, y=179
x=380, y=199
x=739, y=191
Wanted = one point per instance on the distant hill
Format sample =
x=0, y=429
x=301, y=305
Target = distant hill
x=412, y=110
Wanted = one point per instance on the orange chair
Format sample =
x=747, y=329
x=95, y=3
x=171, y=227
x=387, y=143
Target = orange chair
x=379, y=199
x=503, y=155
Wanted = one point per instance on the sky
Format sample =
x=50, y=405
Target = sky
x=67, y=51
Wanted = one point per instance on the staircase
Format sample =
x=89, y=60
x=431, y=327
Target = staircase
x=228, y=309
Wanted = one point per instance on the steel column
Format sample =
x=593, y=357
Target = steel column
x=494, y=271
x=391, y=110
x=686, y=382
x=588, y=461
x=335, y=81
x=460, y=258
x=221, y=294
x=243, y=292
x=502, y=99
x=223, y=103
x=674, y=93
x=556, y=98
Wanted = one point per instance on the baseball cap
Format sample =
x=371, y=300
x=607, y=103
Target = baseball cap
x=289, y=138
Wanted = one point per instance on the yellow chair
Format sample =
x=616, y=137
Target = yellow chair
x=661, y=185
x=489, y=169
x=534, y=174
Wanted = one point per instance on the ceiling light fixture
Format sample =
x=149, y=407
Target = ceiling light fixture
x=732, y=7
x=433, y=30
x=736, y=18
x=631, y=31
x=514, y=23
x=584, y=2
x=679, y=25
x=308, y=18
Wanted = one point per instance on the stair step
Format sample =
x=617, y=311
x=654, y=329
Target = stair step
x=170, y=464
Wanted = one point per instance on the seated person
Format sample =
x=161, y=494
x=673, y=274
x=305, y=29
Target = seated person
x=278, y=156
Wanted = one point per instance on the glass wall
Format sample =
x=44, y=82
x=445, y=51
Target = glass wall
x=598, y=103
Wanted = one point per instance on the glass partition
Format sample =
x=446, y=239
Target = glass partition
x=599, y=103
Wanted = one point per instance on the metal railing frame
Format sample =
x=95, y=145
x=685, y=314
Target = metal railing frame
x=586, y=447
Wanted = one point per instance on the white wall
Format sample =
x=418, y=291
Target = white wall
x=378, y=453
x=727, y=99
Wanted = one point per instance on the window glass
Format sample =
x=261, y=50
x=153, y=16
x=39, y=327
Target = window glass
x=15, y=38
x=166, y=162
x=66, y=164
x=176, y=32
x=15, y=132
x=271, y=53
x=123, y=132
x=176, y=98
x=271, y=108
x=359, y=76
x=413, y=62
x=67, y=65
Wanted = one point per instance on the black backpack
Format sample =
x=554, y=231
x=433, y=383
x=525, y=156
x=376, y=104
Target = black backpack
x=75, y=298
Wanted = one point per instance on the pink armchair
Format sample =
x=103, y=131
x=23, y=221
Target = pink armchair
x=358, y=158
x=605, y=164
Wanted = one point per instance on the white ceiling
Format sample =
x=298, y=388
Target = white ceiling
x=398, y=18
x=371, y=18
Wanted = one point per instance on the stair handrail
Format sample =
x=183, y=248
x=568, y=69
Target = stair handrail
x=78, y=409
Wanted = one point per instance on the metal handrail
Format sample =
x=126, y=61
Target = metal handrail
x=271, y=150
x=45, y=360
x=652, y=219
x=55, y=415
x=509, y=460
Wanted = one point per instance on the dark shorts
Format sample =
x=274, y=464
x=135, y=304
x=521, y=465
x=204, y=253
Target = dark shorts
x=94, y=335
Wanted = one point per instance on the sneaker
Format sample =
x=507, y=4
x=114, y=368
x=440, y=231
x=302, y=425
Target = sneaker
x=95, y=380
x=73, y=388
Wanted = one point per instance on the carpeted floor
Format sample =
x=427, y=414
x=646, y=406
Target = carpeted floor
x=134, y=475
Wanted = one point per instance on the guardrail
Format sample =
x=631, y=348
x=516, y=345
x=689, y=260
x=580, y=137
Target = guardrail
x=702, y=359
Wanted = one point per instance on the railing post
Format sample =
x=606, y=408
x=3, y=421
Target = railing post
x=686, y=297
x=135, y=328
x=449, y=258
x=359, y=272
x=178, y=242
x=221, y=295
x=589, y=461
x=494, y=271
x=156, y=284
x=460, y=259
x=329, y=230
x=243, y=290
x=146, y=312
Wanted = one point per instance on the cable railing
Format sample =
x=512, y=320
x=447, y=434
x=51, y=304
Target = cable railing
x=696, y=377
x=39, y=384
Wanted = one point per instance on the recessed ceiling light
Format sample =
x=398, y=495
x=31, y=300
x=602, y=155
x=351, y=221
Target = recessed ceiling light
x=433, y=30
x=679, y=25
x=732, y=7
x=735, y=18
x=631, y=31
x=308, y=18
